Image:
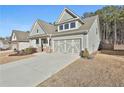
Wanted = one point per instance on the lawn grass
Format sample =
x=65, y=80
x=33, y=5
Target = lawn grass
x=104, y=70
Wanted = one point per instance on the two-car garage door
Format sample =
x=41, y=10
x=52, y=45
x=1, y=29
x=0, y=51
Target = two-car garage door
x=67, y=45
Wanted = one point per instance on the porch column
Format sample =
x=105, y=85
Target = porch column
x=48, y=41
x=39, y=42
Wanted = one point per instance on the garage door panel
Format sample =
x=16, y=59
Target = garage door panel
x=67, y=45
x=61, y=45
x=77, y=45
x=55, y=46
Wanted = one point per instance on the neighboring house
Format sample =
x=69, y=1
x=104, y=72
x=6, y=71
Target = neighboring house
x=19, y=40
x=69, y=34
x=4, y=44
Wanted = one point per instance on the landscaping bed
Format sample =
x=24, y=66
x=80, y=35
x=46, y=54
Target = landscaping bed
x=7, y=57
x=23, y=52
x=113, y=52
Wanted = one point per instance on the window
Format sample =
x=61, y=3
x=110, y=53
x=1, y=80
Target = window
x=72, y=25
x=61, y=27
x=37, y=41
x=66, y=26
x=37, y=31
x=45, y=41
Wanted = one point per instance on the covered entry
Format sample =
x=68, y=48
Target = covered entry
x=67, y=45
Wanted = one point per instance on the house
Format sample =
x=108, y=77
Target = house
x=19, y=40
x=4, y=44
x=69, y=34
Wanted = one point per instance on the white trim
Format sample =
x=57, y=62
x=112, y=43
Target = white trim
x=72, y=12
x=32, y=28
x=48, y=41
x=61, y=16
x=14, y=38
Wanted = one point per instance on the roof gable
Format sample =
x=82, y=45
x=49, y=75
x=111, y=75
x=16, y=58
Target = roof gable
x=20, y=36
x=44, y=28
x=37, y=29
x=66, y=15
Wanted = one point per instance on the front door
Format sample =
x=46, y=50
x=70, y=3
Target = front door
x=41, y=45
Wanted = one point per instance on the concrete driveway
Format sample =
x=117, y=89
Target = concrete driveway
x=32, y=71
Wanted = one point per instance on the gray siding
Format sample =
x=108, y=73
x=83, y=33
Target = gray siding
x=94, y=37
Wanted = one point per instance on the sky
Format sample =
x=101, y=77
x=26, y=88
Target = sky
x=23, y=17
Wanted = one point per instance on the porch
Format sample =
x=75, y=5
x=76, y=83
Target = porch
x=41, y=43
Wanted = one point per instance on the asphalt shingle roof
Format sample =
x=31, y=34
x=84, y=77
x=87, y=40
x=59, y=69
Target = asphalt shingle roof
x=52, y=29
x=88, y=22
x=21, y=35
x=48, y=28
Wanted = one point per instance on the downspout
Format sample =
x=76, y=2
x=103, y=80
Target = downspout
x=85, y=40
x=50, y=42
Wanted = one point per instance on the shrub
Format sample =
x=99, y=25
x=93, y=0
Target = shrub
x=81, y=53
x=30, y=50
x=85, y=53
x=24, y=52
x=15, y=49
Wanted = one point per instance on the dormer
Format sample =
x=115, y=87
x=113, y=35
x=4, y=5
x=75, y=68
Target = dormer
x=68, y=20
